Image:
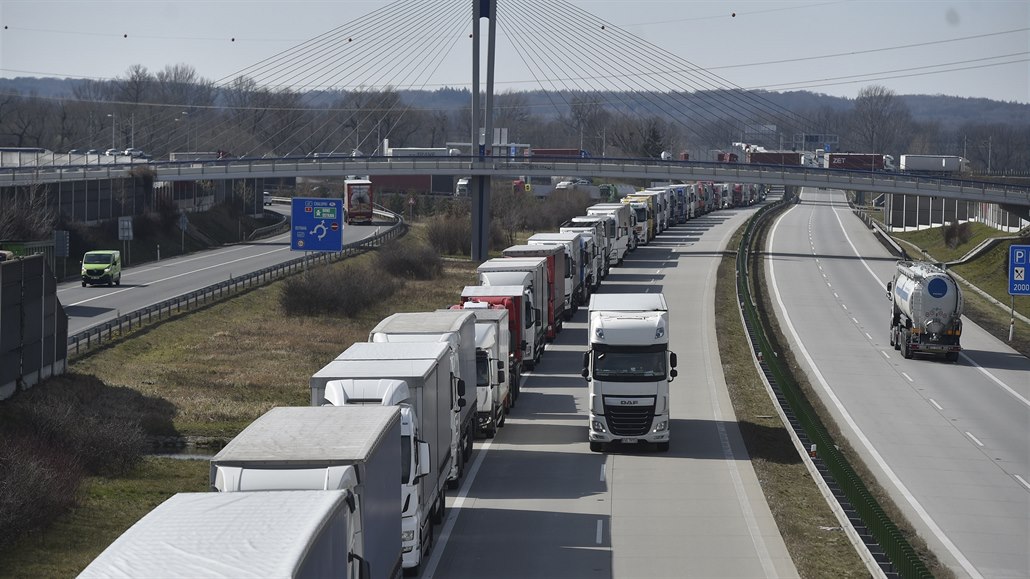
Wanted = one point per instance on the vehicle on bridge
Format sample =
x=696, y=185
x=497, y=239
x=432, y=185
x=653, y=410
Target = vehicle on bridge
x=926, y=310
x=558, y=153
x=945, y=165
x=793, y=158
x=859, y=161
x=628, y=366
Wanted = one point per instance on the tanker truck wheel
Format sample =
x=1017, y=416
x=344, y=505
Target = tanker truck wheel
x=906, y=351
x=951, y=356
x=893, y=341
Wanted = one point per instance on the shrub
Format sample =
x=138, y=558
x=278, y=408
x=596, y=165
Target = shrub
x=956, y=234
x=339, y=290
x=409, y=259
x=450, y=234
x=38, y=483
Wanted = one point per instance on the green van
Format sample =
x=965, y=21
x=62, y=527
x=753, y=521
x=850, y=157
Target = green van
x=100, y=267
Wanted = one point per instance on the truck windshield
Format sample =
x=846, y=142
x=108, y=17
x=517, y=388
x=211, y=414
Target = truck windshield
x=641, y=213
x=97, y=258
x=405, y=458
x=629, y=366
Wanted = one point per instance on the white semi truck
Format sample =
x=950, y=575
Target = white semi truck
x=458, y=330
x=926, y=310
x=596, y=226
x=628, y=366
x=356, y=450
x=299, y=534
x=620, y=229
x=418, y=379
x=576, y=289
x=531, y=273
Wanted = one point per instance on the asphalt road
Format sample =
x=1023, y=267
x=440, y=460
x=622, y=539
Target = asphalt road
x=537, y=503
x=950, y=442
x=154, y=282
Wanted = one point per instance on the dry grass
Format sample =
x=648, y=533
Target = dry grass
x=229, y=364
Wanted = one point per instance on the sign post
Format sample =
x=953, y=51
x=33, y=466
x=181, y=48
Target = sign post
x=1019, y=283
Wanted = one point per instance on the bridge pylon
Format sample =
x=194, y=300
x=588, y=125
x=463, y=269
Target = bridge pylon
x=479, y=186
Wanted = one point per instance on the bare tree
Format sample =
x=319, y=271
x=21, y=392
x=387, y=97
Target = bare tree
x=26, y=215
x=879, y=121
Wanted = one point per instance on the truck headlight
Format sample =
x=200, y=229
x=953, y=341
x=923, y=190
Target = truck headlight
x=107, y=270
x=83, y=271
x=407, y=536
x=597, y=426
x=662, y=426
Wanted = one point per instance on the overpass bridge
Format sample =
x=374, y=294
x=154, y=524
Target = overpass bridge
x=1013, y=198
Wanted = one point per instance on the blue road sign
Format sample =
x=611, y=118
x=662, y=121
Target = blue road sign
x=1019, y=263
x=317, y=224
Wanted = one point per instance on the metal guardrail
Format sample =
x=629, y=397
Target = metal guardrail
x=107, y=331
x=886, y=543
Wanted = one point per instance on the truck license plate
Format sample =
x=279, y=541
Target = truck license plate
x=630, y=441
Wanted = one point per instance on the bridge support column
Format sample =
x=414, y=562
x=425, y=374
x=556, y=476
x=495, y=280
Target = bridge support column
x=480, y=188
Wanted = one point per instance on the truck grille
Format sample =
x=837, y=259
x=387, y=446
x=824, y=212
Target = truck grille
x=629, y=420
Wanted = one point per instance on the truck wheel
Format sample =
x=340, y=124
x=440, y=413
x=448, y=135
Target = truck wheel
x=118, y=282
x=893, y=342
x=596, y=446
x=467, y=450
x=951, y=356
x=897, y=340
x=503, y=418
x=83, y=284
x=906, y=350
x=110, y=281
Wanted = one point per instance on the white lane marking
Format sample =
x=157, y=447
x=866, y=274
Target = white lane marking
x=907, y=377
x=452, y=516
x=854, y=320
x=834, y=293
x=868, y=336
x=863, y=439
x=844, y=306
x=885, y=354
x=937, y=406
x=1022, y=481
x=600, y=531
x=975, y=439
x=602, y=472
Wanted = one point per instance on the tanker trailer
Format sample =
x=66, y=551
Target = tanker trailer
x=926, y=310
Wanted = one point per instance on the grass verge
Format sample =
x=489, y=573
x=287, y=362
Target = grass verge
x=817, y=544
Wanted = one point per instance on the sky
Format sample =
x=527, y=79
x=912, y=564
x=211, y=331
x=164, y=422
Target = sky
x=970, y=49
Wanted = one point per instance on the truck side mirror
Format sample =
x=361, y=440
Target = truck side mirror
x=461, y=403
x=500, y=364
x=672, y=359
x=586, y=366
x=424, y=463
x=500, y=376
x=672, y=374
x=461, y=387
x=890, y=285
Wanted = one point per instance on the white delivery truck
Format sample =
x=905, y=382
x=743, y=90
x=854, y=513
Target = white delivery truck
x=597, y=244
x=514, y=299
x=297, y=534
x=356, y=450
x=531, y=273
x=418, y=379
x=926, y=310
x=622, y=238
x=576, y=289
x=628, y=366
x=458, y=330
x=493, y=356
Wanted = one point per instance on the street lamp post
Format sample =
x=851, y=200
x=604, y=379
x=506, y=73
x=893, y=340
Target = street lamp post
x=187, y=116
x=114, y=121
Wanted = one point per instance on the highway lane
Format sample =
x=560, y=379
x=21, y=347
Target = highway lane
x=950, y=442
x=150, y=283
x=538, y=503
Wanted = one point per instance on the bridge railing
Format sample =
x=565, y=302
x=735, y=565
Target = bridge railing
x=107, y=331
x=654, y=169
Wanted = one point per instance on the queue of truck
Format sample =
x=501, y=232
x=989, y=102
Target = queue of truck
x=355, y=484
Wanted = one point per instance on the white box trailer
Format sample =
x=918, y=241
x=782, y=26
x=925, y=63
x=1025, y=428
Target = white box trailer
x=458, y=330
x=593, y=238
x=493, y=363
x=557, y=265
x=376, y=376
x=353, y=449
x=576, y=290
x=628, y=366
x=280, y=534
x=604, y=234
x=622, y=237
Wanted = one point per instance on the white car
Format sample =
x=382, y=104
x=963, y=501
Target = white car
x=112, y=152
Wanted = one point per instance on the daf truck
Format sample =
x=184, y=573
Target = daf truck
x=926, y=310
x=418, y=379
x=628, y=367
x=353, y=449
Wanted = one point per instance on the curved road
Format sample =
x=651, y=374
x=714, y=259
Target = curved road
x=950, y=442
x=537, y=503
x=154, y=282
